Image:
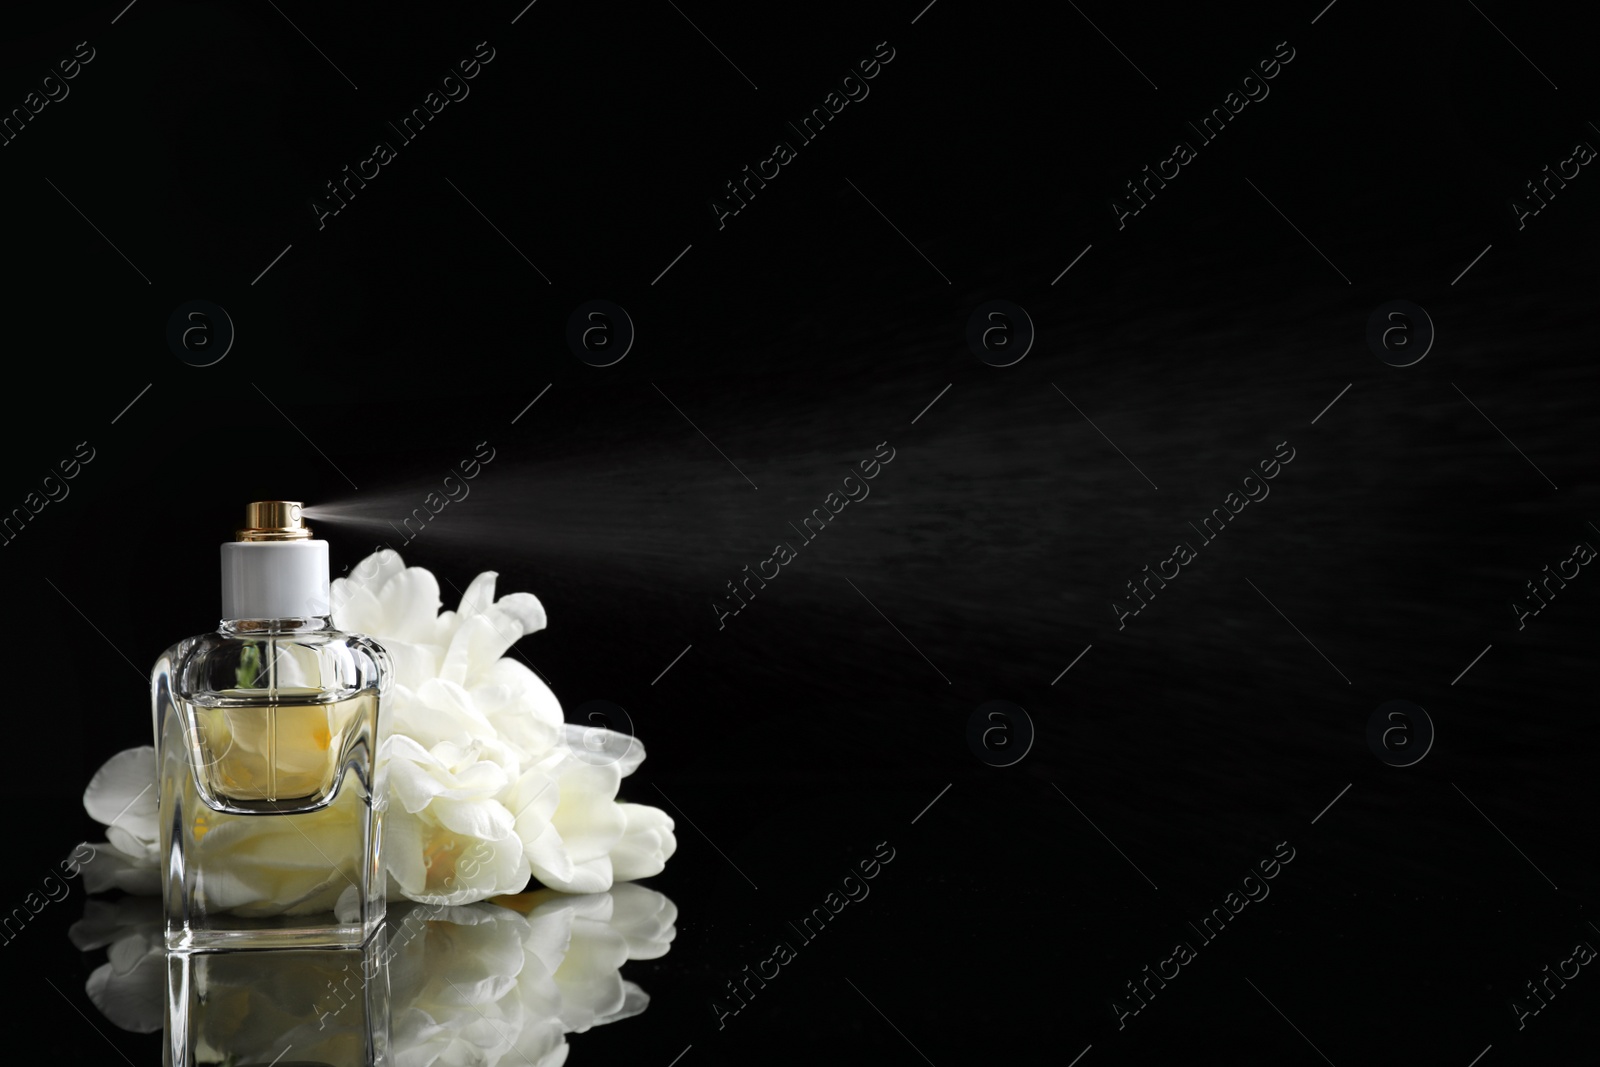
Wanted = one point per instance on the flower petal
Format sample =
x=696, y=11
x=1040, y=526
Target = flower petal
x=112, y=868
x=646, y=844
x=479, y=596
x=376, y=570
x=410, y=602
x=635, y=1000
x=123, y=791
x=524, y=609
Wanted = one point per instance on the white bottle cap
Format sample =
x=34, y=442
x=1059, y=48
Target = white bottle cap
x=274, y=579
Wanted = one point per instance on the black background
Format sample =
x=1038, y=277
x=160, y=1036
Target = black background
x=797, y=337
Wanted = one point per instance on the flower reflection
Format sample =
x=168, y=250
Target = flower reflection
x=479, y=984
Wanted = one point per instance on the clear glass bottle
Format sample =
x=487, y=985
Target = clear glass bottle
x=266, y=734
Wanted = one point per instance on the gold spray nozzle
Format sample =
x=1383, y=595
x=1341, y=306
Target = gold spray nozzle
x=273, y=520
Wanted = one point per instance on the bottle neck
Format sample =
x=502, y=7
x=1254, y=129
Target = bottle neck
x=305, y=624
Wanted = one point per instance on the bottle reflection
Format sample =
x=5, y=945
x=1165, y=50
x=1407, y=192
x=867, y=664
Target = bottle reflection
x=291, y=1008
x=481, y=984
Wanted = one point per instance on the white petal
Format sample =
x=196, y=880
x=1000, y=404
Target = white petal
x=413, y=664
x=481, y=641
x=479, y=595
x=589, y=820
x=646, y=844
x=534, y=799
x=410, y=603
x=441, y=710
x=411, y=784
x=635, y=1000
x=113, y=869
x=354, y=609
x=524, y=609
x=546, y=853
x=376, y=570
x=130, y=845
x=402, y=851
x=522, y=708
x=486, y=819
x=124, y=790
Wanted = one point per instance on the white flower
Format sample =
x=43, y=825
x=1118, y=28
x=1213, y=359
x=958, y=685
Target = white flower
x=487, y=786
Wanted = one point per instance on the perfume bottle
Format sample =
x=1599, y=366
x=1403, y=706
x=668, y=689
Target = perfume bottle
x=266, y=733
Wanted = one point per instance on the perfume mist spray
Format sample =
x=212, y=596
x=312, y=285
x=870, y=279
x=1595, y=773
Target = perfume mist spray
x=266, y=735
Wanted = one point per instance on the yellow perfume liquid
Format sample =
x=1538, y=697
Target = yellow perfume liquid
x=280, y=756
